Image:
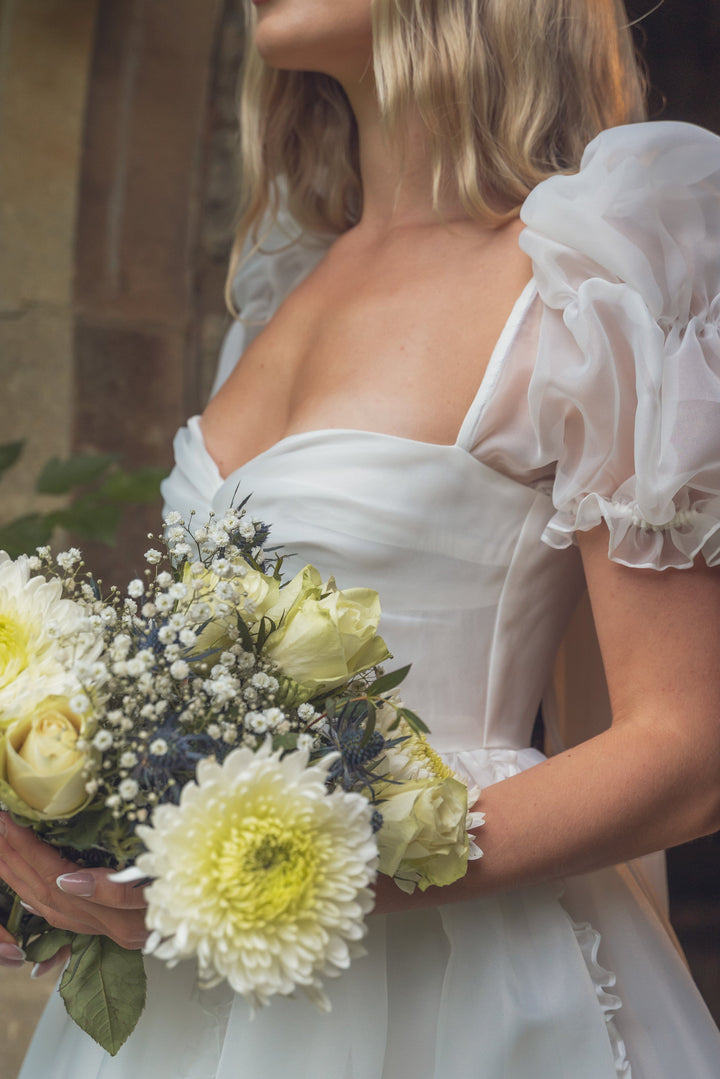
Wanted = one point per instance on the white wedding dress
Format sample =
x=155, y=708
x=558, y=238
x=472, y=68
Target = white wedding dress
x=601, y=401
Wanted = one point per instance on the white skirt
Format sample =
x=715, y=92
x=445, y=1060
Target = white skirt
x=532, y=984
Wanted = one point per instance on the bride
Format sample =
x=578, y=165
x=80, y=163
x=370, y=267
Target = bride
x=478, y=414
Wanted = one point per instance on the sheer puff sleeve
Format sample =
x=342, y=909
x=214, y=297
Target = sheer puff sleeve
x=625, y=394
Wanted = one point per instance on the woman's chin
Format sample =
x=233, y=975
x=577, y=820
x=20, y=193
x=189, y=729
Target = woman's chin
x=296, y=45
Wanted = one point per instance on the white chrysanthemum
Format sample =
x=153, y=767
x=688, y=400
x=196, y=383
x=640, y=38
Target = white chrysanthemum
x=41, y=634
x=261, y=874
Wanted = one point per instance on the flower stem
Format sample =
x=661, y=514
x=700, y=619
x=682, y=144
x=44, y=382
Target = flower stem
x=15, y=917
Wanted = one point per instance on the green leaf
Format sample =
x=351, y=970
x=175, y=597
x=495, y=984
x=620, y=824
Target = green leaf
x=9, y=454
x=83, y=832
x=47, y=944
x=414, y=721
x=23, y=535
x=91, y=518
x=388, y=681
x=285, y=741
x=141, y=485
x=104, y=990
x=369, y=725
x=59, y=477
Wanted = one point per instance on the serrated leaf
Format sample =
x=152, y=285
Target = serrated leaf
x=47, y=944
x=9, y=454
x=23, y=535
x=83, y=832
x=140, y=485
x=60, y=477
x=104, y=990
x=389, y=681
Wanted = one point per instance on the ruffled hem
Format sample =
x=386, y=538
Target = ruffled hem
x=588, y=940
x=637, y=542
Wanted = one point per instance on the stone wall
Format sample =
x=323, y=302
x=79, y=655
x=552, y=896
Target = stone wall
x=45, y=57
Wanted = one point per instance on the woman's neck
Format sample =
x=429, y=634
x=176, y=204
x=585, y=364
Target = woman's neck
x=397, y=178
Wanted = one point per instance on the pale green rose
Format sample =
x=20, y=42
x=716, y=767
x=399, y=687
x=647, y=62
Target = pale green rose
x=255, y=594
x=307, y=584
x=327, y=635
x=40, y=762
x=424, y=839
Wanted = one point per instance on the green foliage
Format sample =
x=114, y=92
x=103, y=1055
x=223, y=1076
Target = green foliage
x=9, y=453
x=104, y=989
x=99, y=488
x=389, y=681
x=47, y=945
x=61, y=477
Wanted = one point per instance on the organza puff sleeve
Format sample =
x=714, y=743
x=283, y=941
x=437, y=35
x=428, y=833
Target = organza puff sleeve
x=625, y=393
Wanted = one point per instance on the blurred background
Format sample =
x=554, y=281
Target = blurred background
x=118, y=181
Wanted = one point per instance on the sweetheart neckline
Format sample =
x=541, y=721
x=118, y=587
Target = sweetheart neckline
x=501, y=349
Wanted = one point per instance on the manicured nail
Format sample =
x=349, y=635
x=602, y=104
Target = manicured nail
x=81, y=884
x=46, y=966
x=11, y=953
x=29, y=909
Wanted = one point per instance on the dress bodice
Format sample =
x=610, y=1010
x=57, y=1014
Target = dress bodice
x=451, y=545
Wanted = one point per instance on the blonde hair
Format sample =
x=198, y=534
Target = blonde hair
x=510, y=92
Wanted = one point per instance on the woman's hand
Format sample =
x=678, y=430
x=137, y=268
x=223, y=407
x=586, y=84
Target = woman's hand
x=67, y=896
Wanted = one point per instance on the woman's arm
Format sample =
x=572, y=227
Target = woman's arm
x=653, y=779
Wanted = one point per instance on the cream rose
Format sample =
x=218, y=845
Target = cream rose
x=424, y=839
x=251, y=596
x=42, y=764
x=327, y=635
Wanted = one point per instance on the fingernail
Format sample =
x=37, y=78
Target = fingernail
x=46, y=966
x=3, y=824
x=82, y=884
x=29, y=909
x=12, y=953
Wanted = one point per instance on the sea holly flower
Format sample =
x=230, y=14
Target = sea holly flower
x=260, y=873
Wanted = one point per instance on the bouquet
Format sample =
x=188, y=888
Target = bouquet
x=228, y=739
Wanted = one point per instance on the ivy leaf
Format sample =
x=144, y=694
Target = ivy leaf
x=389, y=681
x=141, y=485
x=104, y=990
x=9, y=454
x=60, y=477
x=23, y=535
x=47, y=944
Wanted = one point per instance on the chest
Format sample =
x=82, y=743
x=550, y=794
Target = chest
x=390, y=338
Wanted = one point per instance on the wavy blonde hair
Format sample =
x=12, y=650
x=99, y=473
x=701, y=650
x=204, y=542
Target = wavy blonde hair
x=510, y=92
